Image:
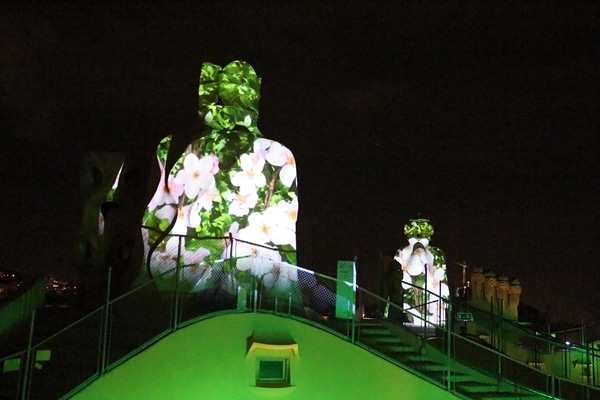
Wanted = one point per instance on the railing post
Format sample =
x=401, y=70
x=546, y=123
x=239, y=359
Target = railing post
x=255, y=300
x=105, y=322
x=449, y=345
x=587, y=351
x=353, y=322
x=27, y=370
x=177, y=297
x=552, y=377
x=424, y=308
x=500, y=338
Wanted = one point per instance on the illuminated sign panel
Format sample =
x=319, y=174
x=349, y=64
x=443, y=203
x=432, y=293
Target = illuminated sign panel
x=464, y=317
x=346, y=290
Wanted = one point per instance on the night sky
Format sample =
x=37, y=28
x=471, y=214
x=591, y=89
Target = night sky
x=481, y=116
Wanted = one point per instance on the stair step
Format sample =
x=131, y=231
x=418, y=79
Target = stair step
x=381, y=339
x=426, y=365
x=374, y=331
x=490, y=391
x=402, y=356
x=455, y=377
x=478, y=386
x=509, y=395
x=390, y=347
x=365, y=322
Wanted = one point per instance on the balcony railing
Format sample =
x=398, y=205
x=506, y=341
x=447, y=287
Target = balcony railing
x=53, y=365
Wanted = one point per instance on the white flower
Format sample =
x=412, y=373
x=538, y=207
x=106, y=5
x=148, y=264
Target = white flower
x=192, y=215
x=259, y=226
x=261, y=147
x=250, y=254
x=281, y=223
x=193, y=271
x=165, y=194
x=289, y=213
x=187, y=216
x=167, y=212
x=280, y=277
x=196, y=174
x=415, y=257
x=206, y=197
x=438, y=275
x=406, y=281
x=241, y=203
x=251, y=175
x=280, y=156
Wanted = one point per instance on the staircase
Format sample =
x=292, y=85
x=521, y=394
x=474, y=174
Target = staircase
x=61, y=357
x=426, y=356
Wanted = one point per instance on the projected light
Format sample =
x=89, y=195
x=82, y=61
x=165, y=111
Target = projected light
x=424, y=274
x=231, y=181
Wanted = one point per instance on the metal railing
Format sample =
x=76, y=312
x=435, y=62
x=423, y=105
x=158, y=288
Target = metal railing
x=59, y=364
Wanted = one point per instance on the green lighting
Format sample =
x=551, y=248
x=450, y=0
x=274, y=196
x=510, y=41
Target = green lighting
x=207, y=360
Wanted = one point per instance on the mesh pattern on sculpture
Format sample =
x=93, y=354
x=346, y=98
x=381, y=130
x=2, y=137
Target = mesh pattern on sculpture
x=216, y=283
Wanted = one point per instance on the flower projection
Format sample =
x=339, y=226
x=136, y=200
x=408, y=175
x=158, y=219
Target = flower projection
x=231, y=182
x=424, y=273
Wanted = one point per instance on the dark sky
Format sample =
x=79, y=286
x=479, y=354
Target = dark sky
x=480, y=116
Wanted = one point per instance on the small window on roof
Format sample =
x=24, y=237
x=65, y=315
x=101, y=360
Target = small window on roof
x=273, y=372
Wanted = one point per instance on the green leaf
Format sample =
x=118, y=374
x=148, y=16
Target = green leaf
x=208, y=94
x=209, y=72
x=439, y=259
x=418, y=228
x=290, y=257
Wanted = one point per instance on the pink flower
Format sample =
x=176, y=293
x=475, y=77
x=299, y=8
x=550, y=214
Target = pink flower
x=215, y=166
x=165, y=194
